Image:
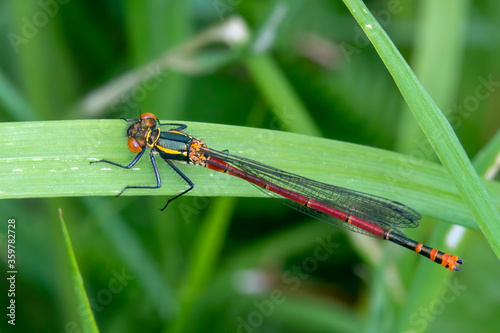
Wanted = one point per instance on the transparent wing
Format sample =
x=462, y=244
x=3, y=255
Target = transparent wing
x=380, y=211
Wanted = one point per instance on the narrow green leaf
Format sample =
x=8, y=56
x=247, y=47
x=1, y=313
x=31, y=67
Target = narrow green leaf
x=437, y=60
x=13, y=102
x=87, y=318
x=435, y=126
x=280, y=96
x=138, y=262
x=204, y=259
x=52, y=159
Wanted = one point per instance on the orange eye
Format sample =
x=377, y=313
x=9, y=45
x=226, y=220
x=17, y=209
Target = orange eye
x=147, y=115
x=148, y=119
x=134, y=146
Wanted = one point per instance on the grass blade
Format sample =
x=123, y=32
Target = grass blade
x=435, y=126
x=86, y=316
x=52, y=159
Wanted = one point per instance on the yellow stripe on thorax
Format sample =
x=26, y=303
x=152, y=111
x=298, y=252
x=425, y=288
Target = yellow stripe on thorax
x=177, y=132
x=171, y=151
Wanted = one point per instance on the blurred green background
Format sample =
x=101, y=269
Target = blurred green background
x=246, y=264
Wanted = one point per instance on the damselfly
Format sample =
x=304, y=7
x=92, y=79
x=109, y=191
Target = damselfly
x=356, y=211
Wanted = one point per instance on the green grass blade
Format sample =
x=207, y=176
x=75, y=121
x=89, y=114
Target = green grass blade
x=134, y=254
x=204, y=259
x=486, y=161
x=280, y=96
x=437, y=60
x=147, y=23
x=51, y=159
x=87, y=318
x=422, y=293
x=39, y=75
x=13, y=102
x=435, y=126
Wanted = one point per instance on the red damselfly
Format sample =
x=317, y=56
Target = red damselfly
x=356, y=211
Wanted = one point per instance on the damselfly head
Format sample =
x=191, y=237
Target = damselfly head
x=141, y=132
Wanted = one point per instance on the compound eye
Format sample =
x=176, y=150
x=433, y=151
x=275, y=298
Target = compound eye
x=148, y=119
x=134, y=146
x=147, y=115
